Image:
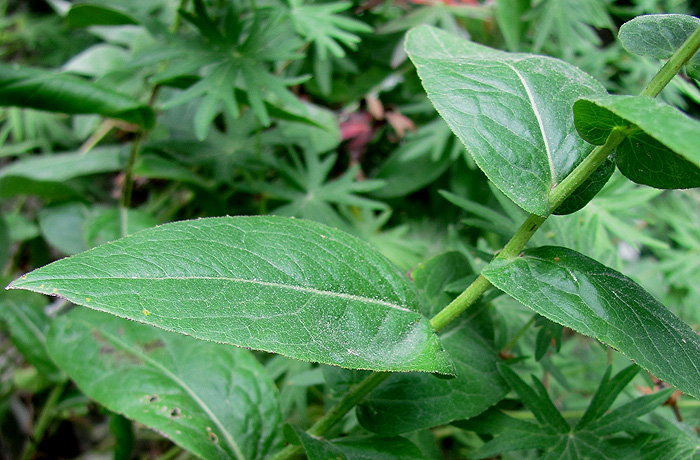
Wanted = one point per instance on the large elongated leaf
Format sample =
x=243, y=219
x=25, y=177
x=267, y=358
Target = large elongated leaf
x=212, y=399
x=512, y=111
x=664, y=150
x=659, y=36
x=56, y=92
x=580, y=293
x=270, y=283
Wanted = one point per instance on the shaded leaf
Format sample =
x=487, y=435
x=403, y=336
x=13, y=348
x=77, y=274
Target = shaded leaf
x=57, y=92
x=24, y=314
x=578, y=292
x=502, y=107
x=204, y=396
x=84, y=15
x=661, y=147
x=378, y=448
x=46, y=175
x=588, y=190
x=293, y=287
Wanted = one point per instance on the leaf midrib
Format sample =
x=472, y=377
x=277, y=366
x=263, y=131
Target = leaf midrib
x=305, y=289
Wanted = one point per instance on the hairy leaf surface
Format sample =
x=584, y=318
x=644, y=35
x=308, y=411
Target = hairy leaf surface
x=659, y=36
x=578, y=292
x=512, y=111
x=212, y=399
x=276, y=284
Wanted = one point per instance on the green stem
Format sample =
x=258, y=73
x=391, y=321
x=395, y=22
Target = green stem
x=514, y=246
x=511, y=343
x=350, y=400
x=673, y=65
x=129, y=184
x=44, y=420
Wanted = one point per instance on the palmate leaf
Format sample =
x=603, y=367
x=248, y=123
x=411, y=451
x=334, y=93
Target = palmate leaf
x=214, y=400
x=553, y=435
x=321, y=24
x=502, y=106
x=578, y=292
x=283, y=285
x=662, y=144
x=230, y=58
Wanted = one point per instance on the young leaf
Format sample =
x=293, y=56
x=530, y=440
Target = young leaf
x=578, y=292
x=204, y=396
x=607, y=392
x=56, y=92
x=318, y=448
x=288, y=286
x=504, y=108
x=661, y=148
x=659, y=36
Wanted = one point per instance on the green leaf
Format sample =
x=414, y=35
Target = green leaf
x=423, y=157
x=206, y=397
x=321, y=24
x=378, y=448
x=62, y=226
x=509, y=16
x=659, y=36
x=504, y=109
x=578, y=292
x=46, y=175
x=288, y=286
x=407, y=402
x=5, y=242
x=608, y=391
x=84, y=15
x=588, y=189
x=57, y=92
x=318, y=448
x=661, y=147
x=24, y=314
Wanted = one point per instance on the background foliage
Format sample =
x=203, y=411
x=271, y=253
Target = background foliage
x=312, y=110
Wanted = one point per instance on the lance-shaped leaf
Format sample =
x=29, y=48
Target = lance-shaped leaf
x=578, y=292
x=283, y=285
x=214, y=400
x=57, y=92
x=85, y=15
x=662, y=147
x=511, y=111
x=659, y=36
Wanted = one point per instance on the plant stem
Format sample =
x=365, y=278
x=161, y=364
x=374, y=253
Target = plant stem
x=44, y=420
x=673, y=65
x=129, y=184
x=350, y=400
x=511, y=343
x=513, y=247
